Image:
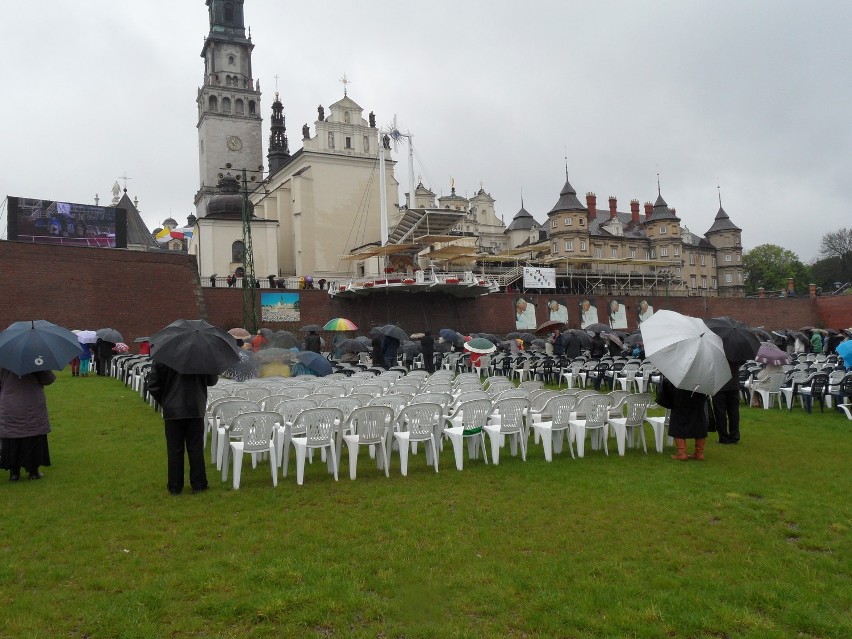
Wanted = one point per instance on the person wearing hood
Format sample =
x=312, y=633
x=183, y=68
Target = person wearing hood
x=313, y=342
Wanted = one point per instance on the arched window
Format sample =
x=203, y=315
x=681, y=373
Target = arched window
x=213, y=103
x=346, y=117
x=251, y=107
x=227, y=80
x=238, y=107
x=238, y=250
x=226, y=105
x=231, y=59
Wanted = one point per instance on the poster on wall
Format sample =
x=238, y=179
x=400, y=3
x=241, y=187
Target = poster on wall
x=557, y=310
x=645, y=311
x=617, y=314
x=588, y=313
x=279, y=307
x=48, y=222
x=524, y=314
x=539, y=277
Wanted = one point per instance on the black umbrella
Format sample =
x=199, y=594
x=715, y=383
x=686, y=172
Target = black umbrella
x=353, y=346
x=528, y=338
x=392, y=330
x=738, y=338
x=27, y=347
x=109, y=335
x=311, y=327
x=451, y=336
x=513, y=335
x=598, y=328
x=410, y=349
x=364, y=340
x=585, y=340
x=762, y=335
x=194, y=347
x=283, y=339
x=490, y=337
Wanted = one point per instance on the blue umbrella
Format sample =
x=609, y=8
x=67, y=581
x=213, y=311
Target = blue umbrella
x=316, y=362
x=451, y=336
x=844, y=349
x=27, y=347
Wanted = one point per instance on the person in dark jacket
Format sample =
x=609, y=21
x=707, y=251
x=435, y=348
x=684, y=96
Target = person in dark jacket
x=24, y=423
x=313, y=342
x=390, y=347
x=573, y=345
x=427, y=347
x=726, y=408
x=688, y=418
x=183, y=399
x=378, y=358
x=103, y=356
x=598, y=346
x=558, y=341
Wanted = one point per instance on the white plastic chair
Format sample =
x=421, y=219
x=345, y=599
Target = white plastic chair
x=322, y=431
x=289, y=410
x=418, y=423
x=659, y=423
x=467, y=422
x=595, y=408
x=773, y=390
x=368, y=426
x=508, y=418
x=257, y=437
x=224, y=414
x=625, y=427
x=554, y=424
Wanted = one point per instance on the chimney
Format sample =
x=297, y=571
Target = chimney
x=592, y=205
x=761, y=293
x=649, y=208
x=812, y=290
x=613, y=203
x=790, y=285
x=634, y=211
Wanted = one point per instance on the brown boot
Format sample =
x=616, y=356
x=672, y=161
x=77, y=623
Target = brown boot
x=681, y=450
x=699, y=450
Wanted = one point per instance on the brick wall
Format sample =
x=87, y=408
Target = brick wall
x=139, y=293
x=90, y=288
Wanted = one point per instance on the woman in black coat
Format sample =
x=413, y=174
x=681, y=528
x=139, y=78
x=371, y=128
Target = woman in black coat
x=688, y=418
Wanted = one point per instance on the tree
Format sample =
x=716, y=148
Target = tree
x=769, y=266
x=826, y=273
x=838, y=244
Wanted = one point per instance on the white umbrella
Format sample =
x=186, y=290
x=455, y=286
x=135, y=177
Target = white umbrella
x=686, y=351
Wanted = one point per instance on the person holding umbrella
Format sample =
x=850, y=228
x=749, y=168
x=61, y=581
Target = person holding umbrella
x=188, y=356
x=427, y=347
x=24, y=422
x=29, y=351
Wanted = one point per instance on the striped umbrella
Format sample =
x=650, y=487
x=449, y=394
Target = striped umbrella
x=340, y=324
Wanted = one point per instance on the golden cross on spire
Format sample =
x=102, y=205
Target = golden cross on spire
x=344, y=81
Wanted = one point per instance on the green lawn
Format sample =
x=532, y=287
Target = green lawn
x=754, y=542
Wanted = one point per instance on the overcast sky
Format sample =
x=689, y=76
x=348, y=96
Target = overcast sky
x=753, y=94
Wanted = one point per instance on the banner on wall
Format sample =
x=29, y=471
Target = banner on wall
x=539, y=277
x=280, y=307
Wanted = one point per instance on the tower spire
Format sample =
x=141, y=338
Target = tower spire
x=279, y=148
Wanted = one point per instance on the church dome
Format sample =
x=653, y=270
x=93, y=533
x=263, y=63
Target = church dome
x=170, y=222
x=228, y=203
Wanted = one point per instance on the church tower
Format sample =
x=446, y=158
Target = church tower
x=229, y=121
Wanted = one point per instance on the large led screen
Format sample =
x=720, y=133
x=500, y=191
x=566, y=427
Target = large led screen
x=66, y=223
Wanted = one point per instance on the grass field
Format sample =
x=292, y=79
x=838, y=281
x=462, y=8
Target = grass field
x=754, y=542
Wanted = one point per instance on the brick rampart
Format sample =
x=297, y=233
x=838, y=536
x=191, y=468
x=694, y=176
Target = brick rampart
x=139, y=293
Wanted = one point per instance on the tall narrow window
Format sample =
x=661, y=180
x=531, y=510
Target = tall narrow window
x=226, y=105
x=251, y=107
x=238, y=107
x=213, y=103
x=238, y=250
